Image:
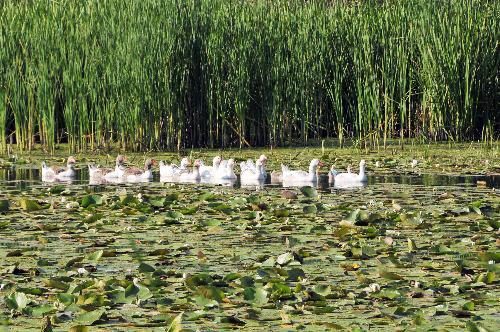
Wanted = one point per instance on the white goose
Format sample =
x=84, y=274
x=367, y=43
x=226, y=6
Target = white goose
x=226, y=170
x=51, y=173
x=194, y=176
x=108, y=173
x=172, y=170
x=344, y=180
x=291, y=178
x=135, y=174
x=210, y=171
x=251, y=171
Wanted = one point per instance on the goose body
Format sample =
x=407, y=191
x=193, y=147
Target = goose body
x=135, y=174
x=210, y=171
x=172, y=170
x=51, y=173
x=294, y=176
x=192, y=177
x=108, y=173
x=350, y=179
x=252, y=172
x=226, y=170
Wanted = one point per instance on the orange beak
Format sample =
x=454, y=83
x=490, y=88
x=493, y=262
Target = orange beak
x=321, y=164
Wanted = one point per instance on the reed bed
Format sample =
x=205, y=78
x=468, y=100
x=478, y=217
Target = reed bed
x=158, y=74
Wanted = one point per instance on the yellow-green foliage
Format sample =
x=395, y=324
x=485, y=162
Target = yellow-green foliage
x=155, y=74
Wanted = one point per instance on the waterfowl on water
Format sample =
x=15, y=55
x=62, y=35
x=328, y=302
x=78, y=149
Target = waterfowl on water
x=108, y=173
x=346, y=179
x=194, y=175
x=210, y=171
x=251, y=171
x=59, y=172
x=226, y=170
x=291, y=176
x=172, y=170
x=134, y=174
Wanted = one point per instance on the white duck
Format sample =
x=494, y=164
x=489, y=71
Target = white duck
x=193, y=176
x=251, y=171
x=51, y=173
x=108, y=173
x=172, y=170
x=292, y=177
x=135, y=174
x=350, y=179
x=226, y=170
x=210, y=171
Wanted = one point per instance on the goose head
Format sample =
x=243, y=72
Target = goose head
x=71, y=162
x=120, y=160
x=263, y=158
x=230, y=164
x=216, y=161
x=149, y=164
x=315, y=163
x=362, y=163
x=185, y=162
x=197, y=163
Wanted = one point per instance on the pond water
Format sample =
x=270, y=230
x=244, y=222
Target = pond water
x=21, y=177
x=413, y=251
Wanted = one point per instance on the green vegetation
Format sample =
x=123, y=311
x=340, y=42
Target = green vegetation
x=198, y=257
x=160, y=74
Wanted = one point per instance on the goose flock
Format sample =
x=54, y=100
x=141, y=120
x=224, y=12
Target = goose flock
x=251, y=173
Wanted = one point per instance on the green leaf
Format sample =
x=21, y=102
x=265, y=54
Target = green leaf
x=88, y=318
x=4, y=205
x=30, y=205
x=91, y=200
x=40, y=311
x=211, y=292
x=310, y=209
x=256, y=295
x=95, y=256
x=146, y=268
x=176, y=324
x=309, y=192
x=17, y=301
x=285, y=258
x=322, y=290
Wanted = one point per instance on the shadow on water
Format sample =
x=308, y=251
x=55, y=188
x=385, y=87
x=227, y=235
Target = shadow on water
x=22, y=178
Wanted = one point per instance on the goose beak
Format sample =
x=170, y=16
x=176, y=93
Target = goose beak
x=321, y=164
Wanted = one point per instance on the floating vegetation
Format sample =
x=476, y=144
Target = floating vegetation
x=161, y=74
x=193, y=256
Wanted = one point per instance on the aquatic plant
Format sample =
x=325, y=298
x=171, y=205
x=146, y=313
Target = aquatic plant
x=170, y=74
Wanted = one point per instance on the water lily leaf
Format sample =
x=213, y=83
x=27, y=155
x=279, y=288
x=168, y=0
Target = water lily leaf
x=95, y=256
x=322, y=290
x=90, y=317
x=32, y=290
x=202, y=301
x=475, y=327
x=40, y=311
x=285, y=258
x=146, y=268
x=193, y=281
x=79, y=328
x=309, y=192
x=176, y=324
x=157, y=202
x=210, y=222
x=17, y=301
x=30, y=205
x=211, y=292
x=91, y=200
x=4, y=205
x=310, y=209
x=256, y=295
x=387, y=293
x=295, y=274
x=390, y=275
x=281, y=213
